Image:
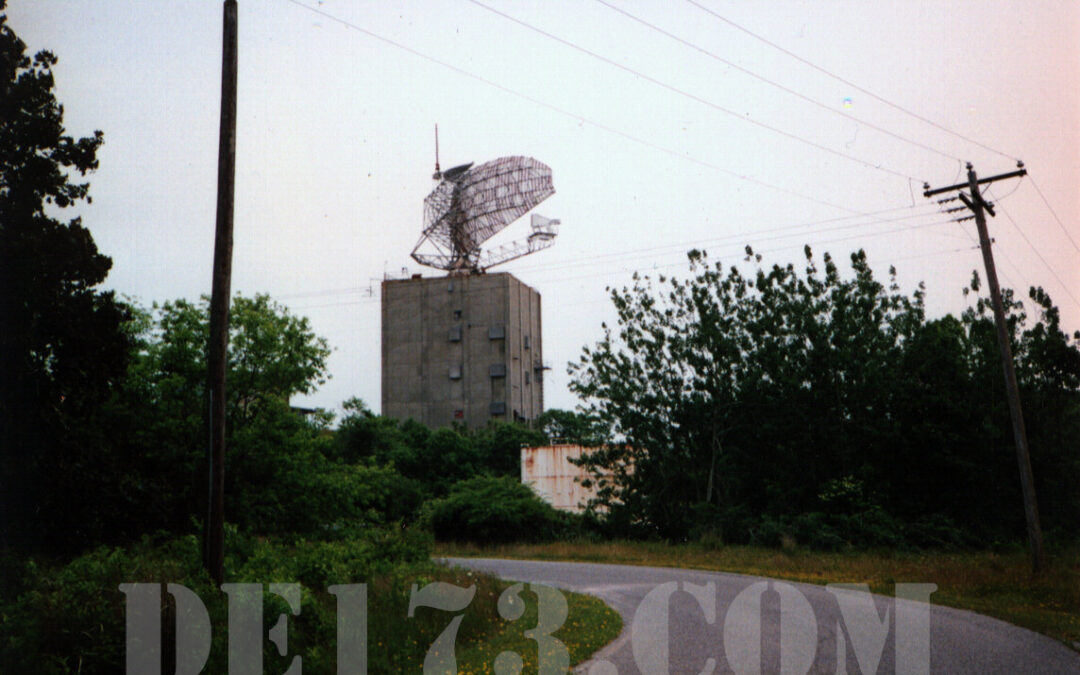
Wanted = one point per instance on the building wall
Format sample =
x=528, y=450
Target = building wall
x=549, y=471
x=454, y=348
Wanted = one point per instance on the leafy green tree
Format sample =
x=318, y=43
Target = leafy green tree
x=272, y=356
x=722, y=387
x=498, y=446
x=436, y=458
x=62, y=347
x=569, y=426
x=825, y=408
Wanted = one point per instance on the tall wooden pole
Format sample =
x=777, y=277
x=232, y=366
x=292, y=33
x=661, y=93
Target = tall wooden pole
x=1027, y=482
x=219, y=301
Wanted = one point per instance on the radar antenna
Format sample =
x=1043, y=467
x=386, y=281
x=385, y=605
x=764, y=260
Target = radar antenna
x=472, y=204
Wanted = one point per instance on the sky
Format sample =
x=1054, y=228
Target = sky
x=668, y=126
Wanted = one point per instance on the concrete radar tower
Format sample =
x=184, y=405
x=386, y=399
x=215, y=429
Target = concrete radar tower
x=466, y=347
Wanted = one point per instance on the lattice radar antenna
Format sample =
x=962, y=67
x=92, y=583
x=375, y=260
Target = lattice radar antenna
x=472, y=204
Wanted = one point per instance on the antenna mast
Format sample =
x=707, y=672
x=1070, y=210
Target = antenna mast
x=438, y=174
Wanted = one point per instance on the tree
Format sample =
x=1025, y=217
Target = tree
x=569, y=426
x=63, y=347
x=731, y=392
x=825, y=408
x=273, y=355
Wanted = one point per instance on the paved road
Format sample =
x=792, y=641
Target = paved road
x=762, y=626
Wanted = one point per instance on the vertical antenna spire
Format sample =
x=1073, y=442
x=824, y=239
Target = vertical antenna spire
x=438, y=173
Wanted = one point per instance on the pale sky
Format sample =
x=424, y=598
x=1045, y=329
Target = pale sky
x=674, y=147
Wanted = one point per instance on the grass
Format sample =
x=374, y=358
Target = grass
x=996, y=584
x=398, y=644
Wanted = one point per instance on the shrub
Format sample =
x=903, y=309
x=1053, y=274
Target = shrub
x=487, y=509
x=72, y=618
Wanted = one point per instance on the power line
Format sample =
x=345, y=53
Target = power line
x=731, y=247
x=777, y=85
x=636, y=254
x=849, y=82
x=1064, y=286
x=693, y=97
x=1053, y=212
x=754, y=236
x=735, y=248
x=572, y=115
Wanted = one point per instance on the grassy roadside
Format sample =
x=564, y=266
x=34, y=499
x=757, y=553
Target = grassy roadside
x=995, y=584
x=484, y=634
x=66, y=617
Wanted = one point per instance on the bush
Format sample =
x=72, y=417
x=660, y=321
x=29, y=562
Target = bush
x=873, y=528
x=72, y=618
x=487, y=509
x=308, y=495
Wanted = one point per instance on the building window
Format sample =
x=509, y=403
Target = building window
x=497, y=332
x=455, y=371
x=526, y=342
x=455, y=334
x=498, y=407
x=497, y=370
x=527, y=378
x=457, y=313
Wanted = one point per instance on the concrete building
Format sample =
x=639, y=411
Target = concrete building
x=463, y=348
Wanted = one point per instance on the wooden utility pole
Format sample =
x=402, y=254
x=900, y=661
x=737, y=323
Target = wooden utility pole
x=975, y=202
x=214, y=546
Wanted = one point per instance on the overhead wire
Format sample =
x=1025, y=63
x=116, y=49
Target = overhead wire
x=849, y=83
x=679, y=154
x=975, y=240
x=777, y=85
x=752, y=236
x=635, y=254
x=734, y=247
x=1052, y=211
x=693, y=97
x=575, y=116
x=1046, y=264
x=745, y=237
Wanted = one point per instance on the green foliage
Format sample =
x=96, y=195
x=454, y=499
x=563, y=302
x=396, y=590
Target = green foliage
x=568, y=426
x=498, y=446
x=62, y=349
x=278, y=482
x=436, y=459
x=159, y=416
x=488, y=509
x=824, y=408
x=72, y=619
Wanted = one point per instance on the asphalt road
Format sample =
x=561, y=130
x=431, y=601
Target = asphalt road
x=729, y=623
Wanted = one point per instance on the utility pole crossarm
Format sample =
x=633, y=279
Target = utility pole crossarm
x=959, y=186
x=985, y=204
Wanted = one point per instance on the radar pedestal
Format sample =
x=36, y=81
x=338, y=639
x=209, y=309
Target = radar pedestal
x=462, y=349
